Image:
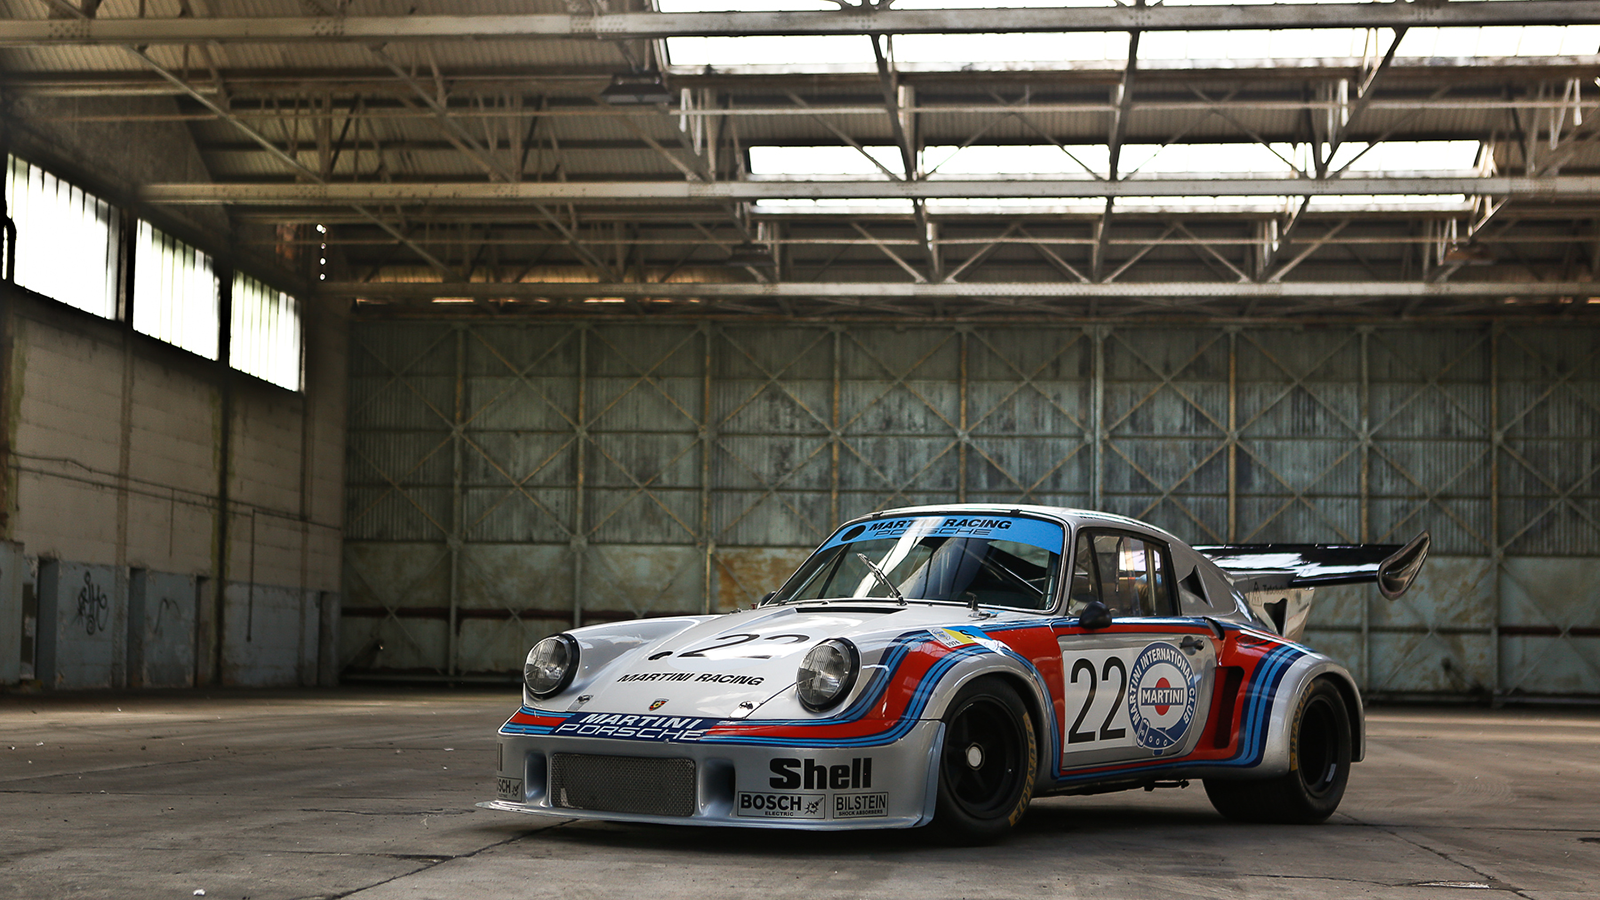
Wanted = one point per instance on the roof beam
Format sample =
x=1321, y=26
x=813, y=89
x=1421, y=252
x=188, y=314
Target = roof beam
x=637, y=26
x=566, y=290
x=1554, y=187
x=289, y=160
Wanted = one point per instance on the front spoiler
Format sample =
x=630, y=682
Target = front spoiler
x=735, y=783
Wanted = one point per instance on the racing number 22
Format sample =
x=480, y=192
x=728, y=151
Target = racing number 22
x=1107, y=733
x=733, y=640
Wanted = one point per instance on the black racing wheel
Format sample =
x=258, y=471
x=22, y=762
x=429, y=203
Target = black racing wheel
x=1319, y=768
x=987, y=763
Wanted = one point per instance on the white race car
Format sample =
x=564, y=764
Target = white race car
x=945, y=665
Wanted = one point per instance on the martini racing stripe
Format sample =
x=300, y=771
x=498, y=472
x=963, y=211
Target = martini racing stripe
x=902, y=725
x=908, y=658
x=533, y=721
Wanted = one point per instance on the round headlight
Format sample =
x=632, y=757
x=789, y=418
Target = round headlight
x=551, y=664
x=828, y=673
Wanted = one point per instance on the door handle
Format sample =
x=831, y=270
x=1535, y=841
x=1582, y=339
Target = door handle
x=1190, y=644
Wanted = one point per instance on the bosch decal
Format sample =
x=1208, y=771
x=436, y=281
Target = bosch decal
x=508, y=788
x=789, y=773
x=1161, y=696
x=780, y=806
x=636, y=728
x=860, y=806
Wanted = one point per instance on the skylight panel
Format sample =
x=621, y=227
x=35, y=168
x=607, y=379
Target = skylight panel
x=1408, y=156
x=1077, y=161
x=1503, y=40
x=1137, y=160
x=1313, y=43
x=854, y=52
x=959, y=50
x=771, y=50
x=838, y=161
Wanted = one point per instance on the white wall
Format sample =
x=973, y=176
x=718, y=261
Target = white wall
x=116, y=458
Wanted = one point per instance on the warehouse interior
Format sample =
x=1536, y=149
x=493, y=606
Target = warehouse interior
x=368, y=341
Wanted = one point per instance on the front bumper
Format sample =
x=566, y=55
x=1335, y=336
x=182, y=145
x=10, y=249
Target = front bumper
x=744, y=785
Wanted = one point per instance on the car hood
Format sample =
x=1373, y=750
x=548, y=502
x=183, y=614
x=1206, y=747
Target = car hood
x=751, y=657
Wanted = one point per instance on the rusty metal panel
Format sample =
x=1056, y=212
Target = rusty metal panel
x=1027, y=411
x=1299, y=415
x=899, y=414
x=1550, y=411
x=1431, y=420
x=509, y=479
x=745, y=574
x=644, y=398
x=1550, y=631
x=623, y=580
x=772, y=463
x=1438, y=637
x=1164, y=425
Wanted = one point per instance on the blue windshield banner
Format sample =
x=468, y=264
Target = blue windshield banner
x=1036, y=532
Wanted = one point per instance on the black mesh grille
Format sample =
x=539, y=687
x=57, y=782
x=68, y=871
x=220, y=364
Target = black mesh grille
x=626, y=784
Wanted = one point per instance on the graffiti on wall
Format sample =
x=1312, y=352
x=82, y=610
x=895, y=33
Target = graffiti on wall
x=93, y=607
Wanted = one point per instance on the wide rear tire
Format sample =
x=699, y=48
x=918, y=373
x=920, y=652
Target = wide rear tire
x=987, y=764
x=1319, y=768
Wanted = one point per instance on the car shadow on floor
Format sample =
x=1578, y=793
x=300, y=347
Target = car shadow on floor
x=1046, y=821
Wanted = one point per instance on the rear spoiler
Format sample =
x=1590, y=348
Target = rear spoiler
x=1267, y=567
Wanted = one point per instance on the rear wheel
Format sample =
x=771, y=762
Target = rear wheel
x=987, y=763
x=1319, y=768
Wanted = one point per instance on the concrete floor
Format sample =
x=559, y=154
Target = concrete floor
x=368, y=793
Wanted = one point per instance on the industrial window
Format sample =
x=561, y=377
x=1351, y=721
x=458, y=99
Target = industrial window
x=175, y=293
x=66, y=239
x=266, y=333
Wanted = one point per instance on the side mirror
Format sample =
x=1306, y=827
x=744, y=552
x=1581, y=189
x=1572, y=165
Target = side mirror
x=1095, y=615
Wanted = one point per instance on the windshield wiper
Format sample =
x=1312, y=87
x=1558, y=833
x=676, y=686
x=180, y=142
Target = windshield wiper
x=883, y=578
x=1003, y=571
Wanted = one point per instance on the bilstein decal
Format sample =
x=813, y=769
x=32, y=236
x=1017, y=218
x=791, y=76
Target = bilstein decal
x=860, y=806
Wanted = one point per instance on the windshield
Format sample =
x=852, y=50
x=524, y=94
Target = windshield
x=997, y=561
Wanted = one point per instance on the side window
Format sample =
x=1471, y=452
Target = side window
x=1128, y=574
x=1125, y=580
x=1154, y=582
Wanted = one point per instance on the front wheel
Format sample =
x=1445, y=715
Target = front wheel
x=987, y=763
x=1319, y=768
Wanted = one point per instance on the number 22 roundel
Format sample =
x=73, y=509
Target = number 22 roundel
x=1127, y=697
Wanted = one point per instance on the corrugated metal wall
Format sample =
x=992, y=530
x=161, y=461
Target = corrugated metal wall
x=508, y=479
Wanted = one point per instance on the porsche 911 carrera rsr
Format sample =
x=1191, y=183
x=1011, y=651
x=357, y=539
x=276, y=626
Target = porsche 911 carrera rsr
x=948, y=664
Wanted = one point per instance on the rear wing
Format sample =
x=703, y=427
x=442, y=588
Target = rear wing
x=1268, y=567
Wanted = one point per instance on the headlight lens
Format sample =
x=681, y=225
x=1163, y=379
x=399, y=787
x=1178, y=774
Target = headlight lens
x=828, y=673
x=551, y=664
